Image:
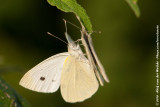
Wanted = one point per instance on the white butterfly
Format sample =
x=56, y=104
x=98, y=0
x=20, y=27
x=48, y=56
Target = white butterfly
x=69, y=70
x=92, y=56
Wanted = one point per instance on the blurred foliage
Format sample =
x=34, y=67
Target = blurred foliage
x=126, y=48
x=73, y=6
x=134, y=7
x=9, y=98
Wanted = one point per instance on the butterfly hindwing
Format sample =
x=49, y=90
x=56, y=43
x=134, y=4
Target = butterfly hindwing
x=78, y=81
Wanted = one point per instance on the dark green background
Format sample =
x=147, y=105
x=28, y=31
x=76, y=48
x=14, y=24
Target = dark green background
x=126, y=47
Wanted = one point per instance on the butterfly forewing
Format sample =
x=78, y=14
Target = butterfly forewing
x=45, y=77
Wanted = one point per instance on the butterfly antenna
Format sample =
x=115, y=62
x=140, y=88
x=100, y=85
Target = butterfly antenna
x=57, y=37
x=84, y=29
x=66, y=21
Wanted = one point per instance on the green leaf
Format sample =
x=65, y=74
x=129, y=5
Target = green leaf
x=73, y=6
x=134, y=6
x=9, y=98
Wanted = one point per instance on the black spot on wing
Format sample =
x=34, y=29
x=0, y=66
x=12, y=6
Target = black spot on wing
x=42, y=78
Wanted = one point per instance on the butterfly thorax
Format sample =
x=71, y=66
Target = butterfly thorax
x=76, y=52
